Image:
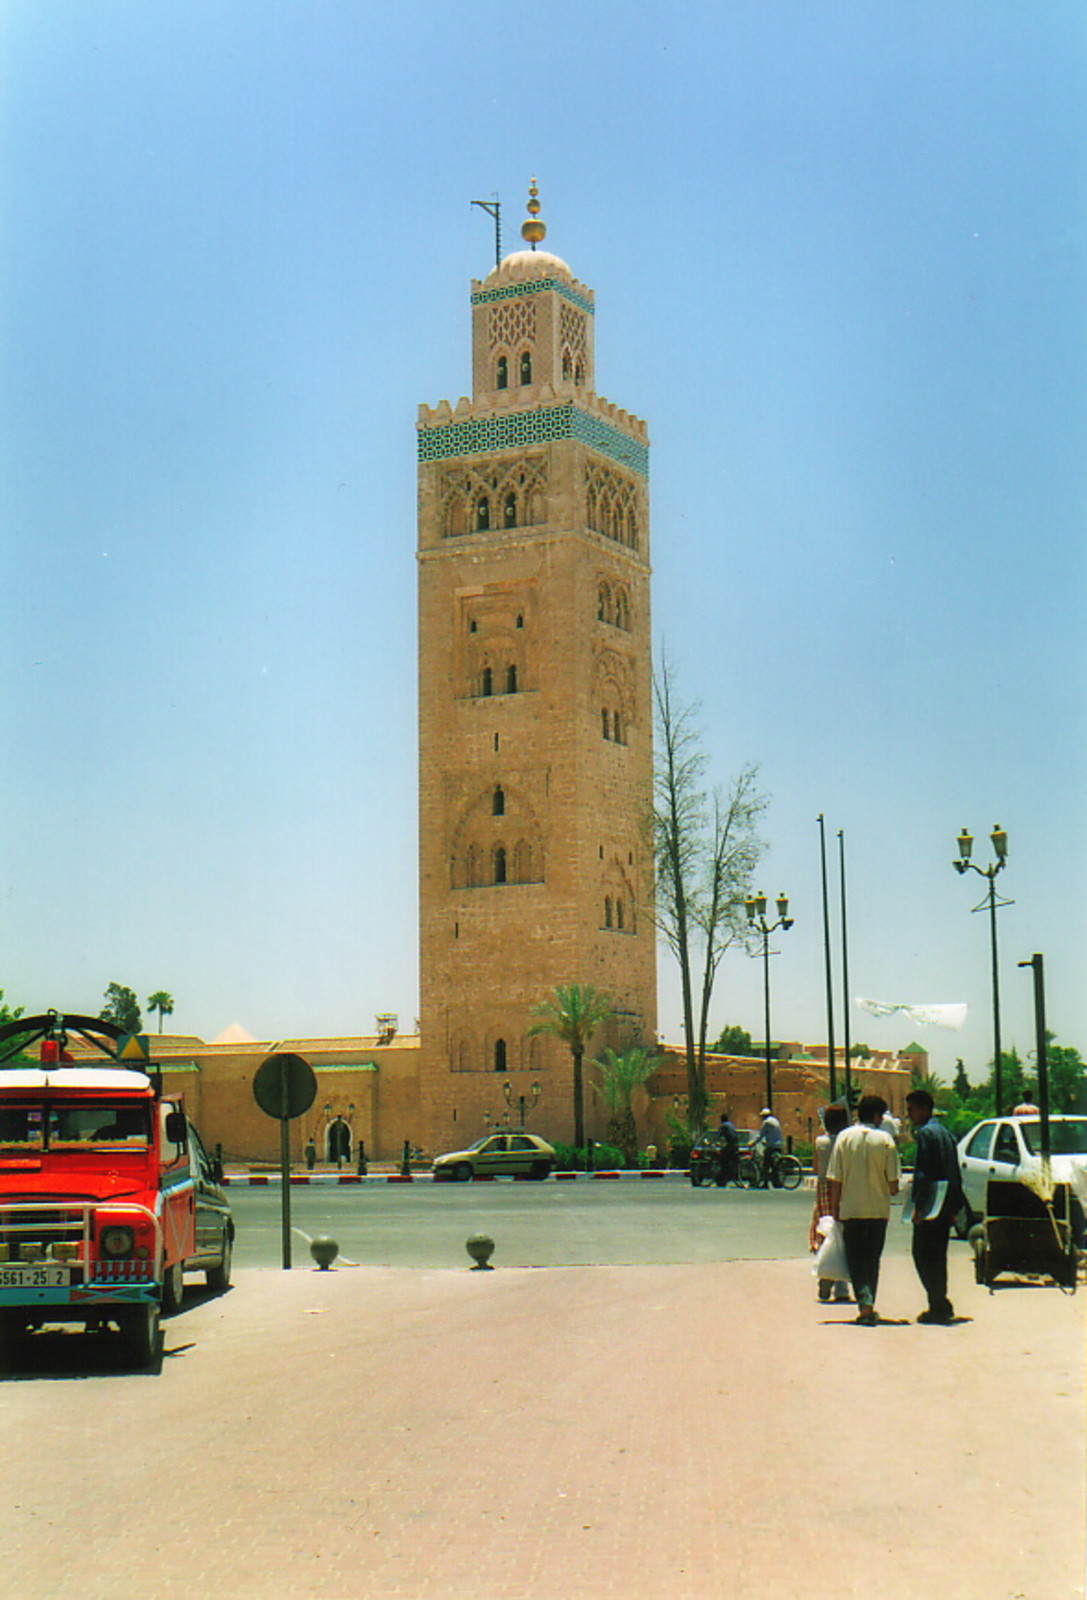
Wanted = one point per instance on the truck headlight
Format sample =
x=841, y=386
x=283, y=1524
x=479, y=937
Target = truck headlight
x=116, y=1242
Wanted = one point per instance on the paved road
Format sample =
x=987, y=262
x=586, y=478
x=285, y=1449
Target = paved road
x=703, y=1432
x=533, y=1224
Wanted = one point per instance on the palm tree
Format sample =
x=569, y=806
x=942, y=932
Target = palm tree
x=620, y=1073
x=573, y=1012
x=161, y=1002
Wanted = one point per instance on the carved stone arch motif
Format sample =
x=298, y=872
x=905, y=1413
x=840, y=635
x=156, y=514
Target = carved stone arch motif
x=613, y=693
x=492, y=847
x=612, y=505
x=618, y=911
x=506, y=493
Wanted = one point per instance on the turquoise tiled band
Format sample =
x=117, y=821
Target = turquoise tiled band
x=511, y=430
x=484, y=297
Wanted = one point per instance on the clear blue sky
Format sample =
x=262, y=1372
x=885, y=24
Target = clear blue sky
x=839, y=258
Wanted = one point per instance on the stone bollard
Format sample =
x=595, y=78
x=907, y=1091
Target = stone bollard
x=324, y=1251
x=481, y=1249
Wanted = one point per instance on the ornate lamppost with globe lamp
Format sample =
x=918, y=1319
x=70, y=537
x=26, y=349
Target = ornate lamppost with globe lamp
x=999, y=841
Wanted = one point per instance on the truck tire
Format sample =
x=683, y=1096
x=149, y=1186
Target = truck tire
x=140, y=1330
x=218, y=1278
x=173, y=1289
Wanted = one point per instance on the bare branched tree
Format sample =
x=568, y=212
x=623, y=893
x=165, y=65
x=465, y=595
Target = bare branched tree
x=706, y=848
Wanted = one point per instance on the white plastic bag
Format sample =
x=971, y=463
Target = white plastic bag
x=830, y=1261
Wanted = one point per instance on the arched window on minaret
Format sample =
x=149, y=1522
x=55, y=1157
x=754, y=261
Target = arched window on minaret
x=483, y=514
x=526, y=367
x=498, y=802
x=500, y=1055
x=620, y=917
x=511, y=678
x=605, y=724
x=509, y=511
x=603, y=604
x=607, y=911
x=502, y=373
x=579, y=374
x=567, y=367
x=616, y=727
x=500, y=864
x=486, y=682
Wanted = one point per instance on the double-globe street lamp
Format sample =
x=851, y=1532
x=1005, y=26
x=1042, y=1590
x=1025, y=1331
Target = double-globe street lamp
x=992, y=900
x=756, y=916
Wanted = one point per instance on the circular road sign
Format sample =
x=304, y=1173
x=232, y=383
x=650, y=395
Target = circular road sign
x=284, y=1085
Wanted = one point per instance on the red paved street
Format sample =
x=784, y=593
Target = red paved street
x=553, y=1434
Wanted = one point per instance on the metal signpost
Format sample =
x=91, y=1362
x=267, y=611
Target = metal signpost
x=285, y=1087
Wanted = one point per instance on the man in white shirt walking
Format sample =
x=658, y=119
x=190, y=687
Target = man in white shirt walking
x=862, y=1176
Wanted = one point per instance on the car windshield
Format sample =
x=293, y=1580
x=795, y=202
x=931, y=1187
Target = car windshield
x=80, y=1126
x=1067, y=1137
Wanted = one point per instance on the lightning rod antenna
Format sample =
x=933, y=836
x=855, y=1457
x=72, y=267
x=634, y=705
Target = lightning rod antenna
x=493, y=208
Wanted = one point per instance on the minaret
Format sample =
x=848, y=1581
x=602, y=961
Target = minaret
x=535, y=716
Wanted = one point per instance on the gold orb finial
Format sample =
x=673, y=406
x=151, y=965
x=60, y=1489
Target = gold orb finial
x=532, y=229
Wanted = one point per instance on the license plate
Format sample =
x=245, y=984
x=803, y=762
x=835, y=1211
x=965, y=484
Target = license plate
x=42, y=1276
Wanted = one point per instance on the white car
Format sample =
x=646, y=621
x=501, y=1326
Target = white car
x=1009, y=1149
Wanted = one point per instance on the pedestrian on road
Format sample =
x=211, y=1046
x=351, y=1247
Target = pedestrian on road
x=937, y=1197
x=862, y=1176
x=835, y=1118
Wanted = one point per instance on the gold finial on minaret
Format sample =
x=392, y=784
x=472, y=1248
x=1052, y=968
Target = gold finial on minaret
x=532, y=229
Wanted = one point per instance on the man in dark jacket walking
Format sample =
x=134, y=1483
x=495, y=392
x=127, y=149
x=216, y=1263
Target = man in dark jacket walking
x=937, y=1196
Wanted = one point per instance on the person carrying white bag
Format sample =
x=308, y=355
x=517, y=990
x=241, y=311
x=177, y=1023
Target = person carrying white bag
x=824, y=1234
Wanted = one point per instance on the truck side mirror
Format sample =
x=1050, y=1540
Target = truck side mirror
x=177, y=1130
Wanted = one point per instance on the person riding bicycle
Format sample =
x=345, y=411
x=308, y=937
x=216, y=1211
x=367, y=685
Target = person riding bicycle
x=729, y=1148
x=768, y=1144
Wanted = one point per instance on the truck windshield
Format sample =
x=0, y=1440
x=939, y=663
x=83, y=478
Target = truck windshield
x=58, y=1126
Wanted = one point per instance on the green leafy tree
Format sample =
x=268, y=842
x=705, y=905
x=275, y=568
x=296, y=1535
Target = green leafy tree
x=961, y=1083
x=734, y=1041
x=161, y=1002
x=618, y=1074
x=122, y=1008
x=1067, y=1077
x=706, y=848
x=573, y=1012
x=12, y=1048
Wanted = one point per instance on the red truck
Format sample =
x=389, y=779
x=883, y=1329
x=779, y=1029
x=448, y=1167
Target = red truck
x=107, y=1196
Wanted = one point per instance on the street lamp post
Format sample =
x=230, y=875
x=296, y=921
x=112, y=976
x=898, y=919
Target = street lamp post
x=999, y=840
x=507, y=1092
x=756, y=916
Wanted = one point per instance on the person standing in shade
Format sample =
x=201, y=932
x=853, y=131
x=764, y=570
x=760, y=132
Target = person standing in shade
x=835, y=1119
x=937, y=1197
x=862, y=1176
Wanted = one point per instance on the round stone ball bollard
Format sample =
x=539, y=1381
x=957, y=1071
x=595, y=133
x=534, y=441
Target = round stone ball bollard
x=481, y=1249
x=324, y=1251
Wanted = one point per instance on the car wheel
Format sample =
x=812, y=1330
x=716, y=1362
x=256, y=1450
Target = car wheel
x=696, y=1177
x=173, y=1288
x=463, y=1171
x=540, y=1169
x=218, y=1278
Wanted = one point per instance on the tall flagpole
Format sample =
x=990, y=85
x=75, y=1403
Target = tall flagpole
x=845, y=968
x=826, y=955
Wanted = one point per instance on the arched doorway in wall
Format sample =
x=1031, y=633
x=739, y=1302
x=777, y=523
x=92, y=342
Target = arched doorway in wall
x=338, y=1141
